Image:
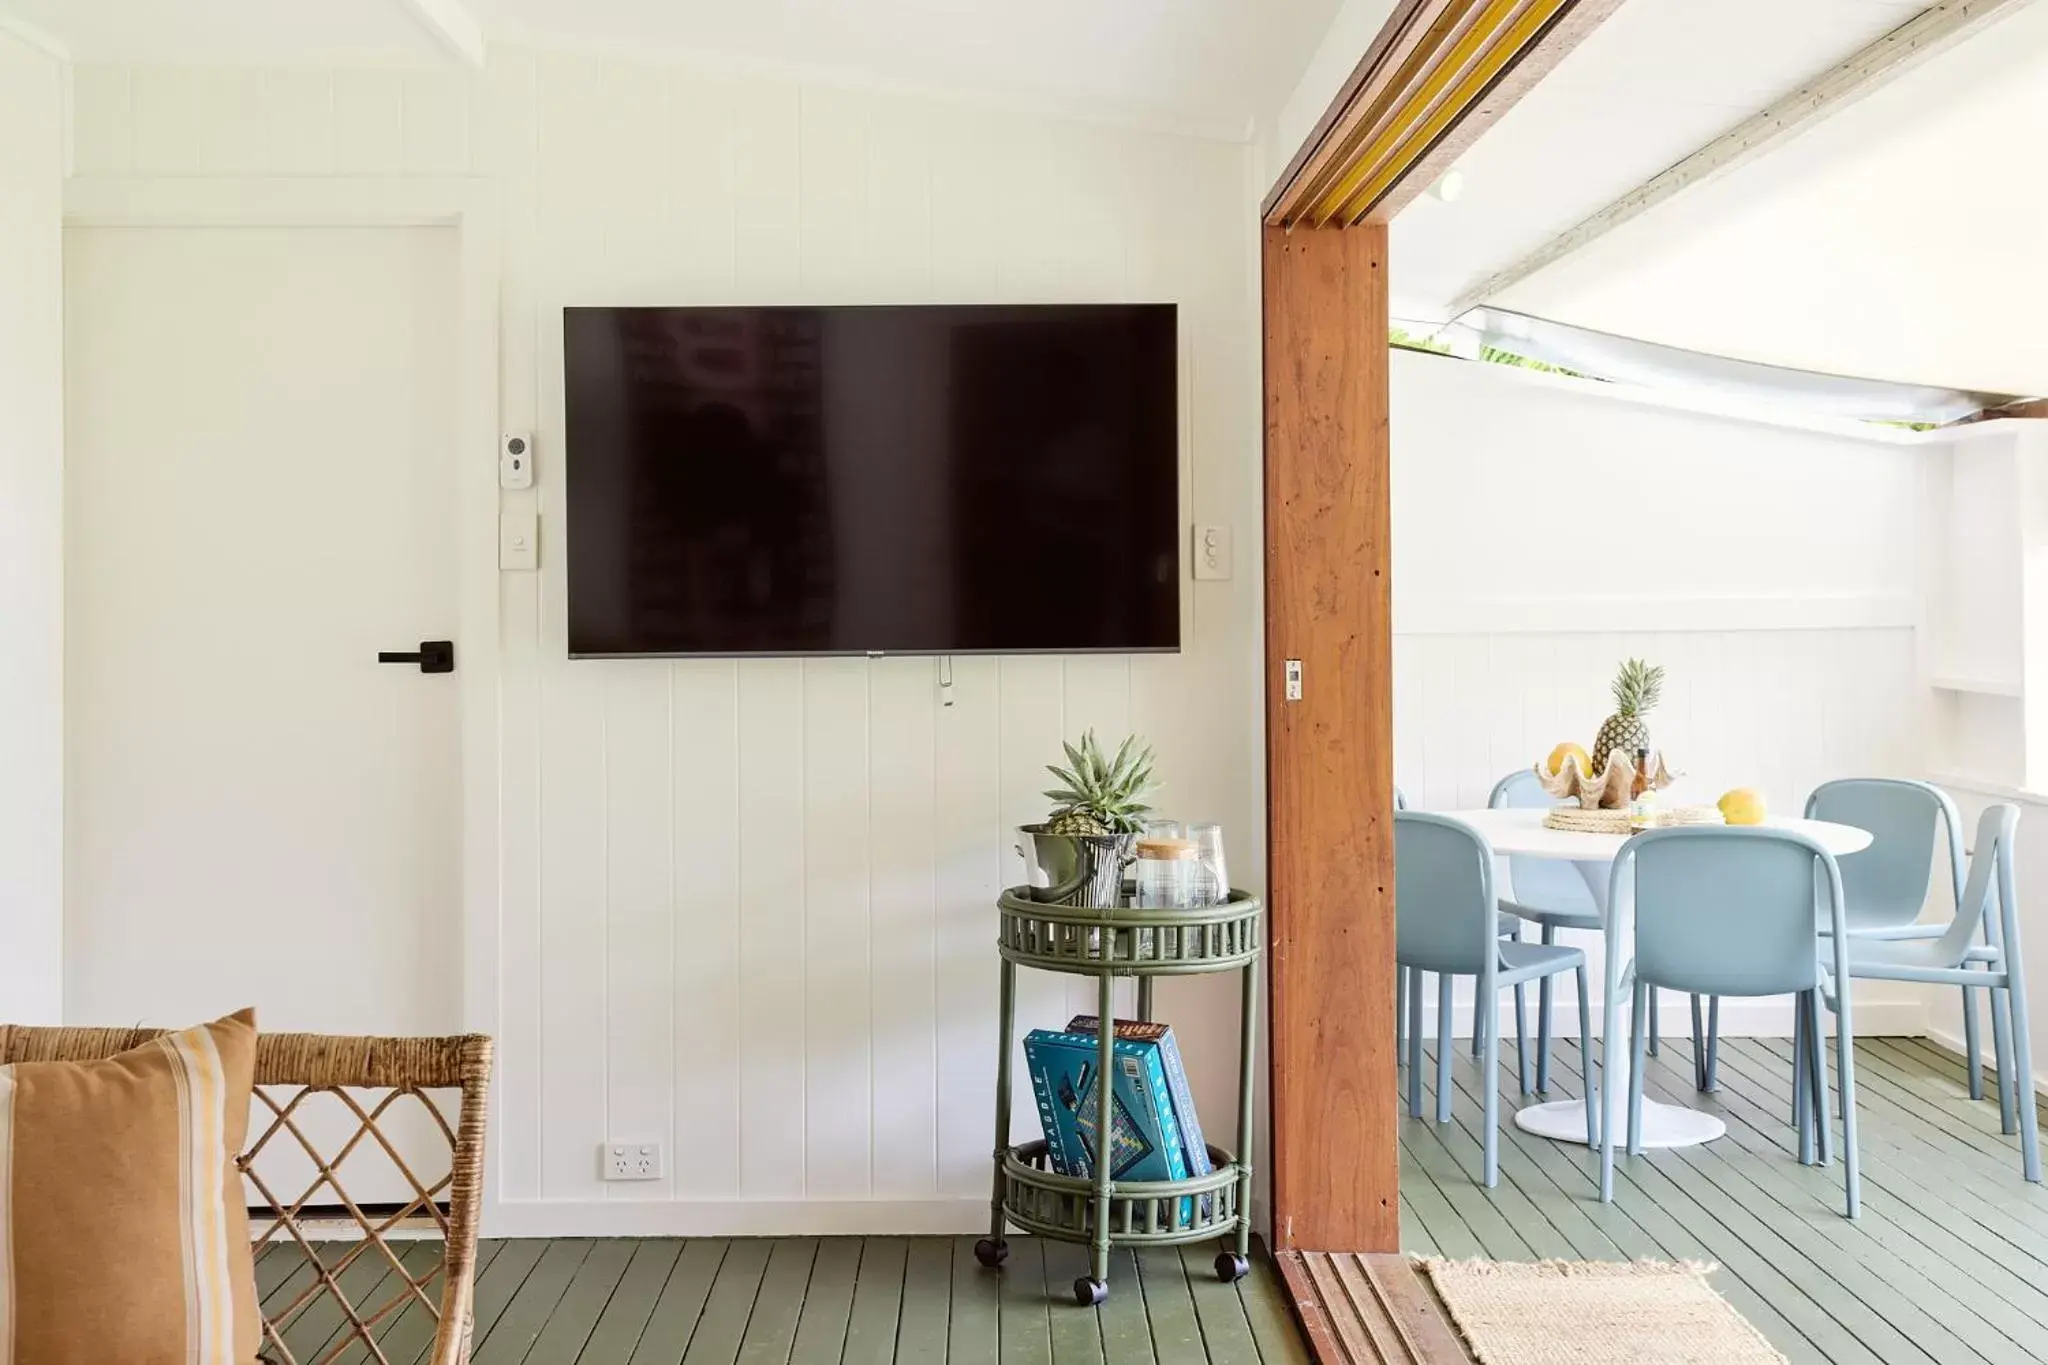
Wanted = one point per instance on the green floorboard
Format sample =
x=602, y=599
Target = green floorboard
x=1948, y=1262
x=813, y=1301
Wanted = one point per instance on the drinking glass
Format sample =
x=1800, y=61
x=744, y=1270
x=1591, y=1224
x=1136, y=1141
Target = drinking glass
x=1167, y=880
x=1164, y=829
x=1212, y=877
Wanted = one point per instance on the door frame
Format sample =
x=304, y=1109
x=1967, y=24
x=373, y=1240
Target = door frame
x=469, y=206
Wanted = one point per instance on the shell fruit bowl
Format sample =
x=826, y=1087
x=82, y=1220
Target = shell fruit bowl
x=1609, y=790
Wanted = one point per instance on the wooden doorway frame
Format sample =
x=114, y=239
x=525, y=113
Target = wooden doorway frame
x=1439, y=73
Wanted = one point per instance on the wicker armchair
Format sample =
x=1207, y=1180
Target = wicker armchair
x=371, y=1084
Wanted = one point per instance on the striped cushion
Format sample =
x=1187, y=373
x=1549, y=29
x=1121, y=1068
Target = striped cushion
x=123, y=1233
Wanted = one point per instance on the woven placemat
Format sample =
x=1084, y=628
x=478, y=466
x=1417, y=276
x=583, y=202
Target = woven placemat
x=1573, y=820
x=1595, y=1313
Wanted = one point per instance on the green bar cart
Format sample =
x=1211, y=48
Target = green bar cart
x=1096, y=1209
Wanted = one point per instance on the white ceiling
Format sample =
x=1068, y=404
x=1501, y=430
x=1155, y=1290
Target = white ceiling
x=1656, y=81
x=1901, y=239
x=1207, y=65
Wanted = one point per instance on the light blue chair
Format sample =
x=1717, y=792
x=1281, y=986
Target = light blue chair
x=1957, y=958
x=1551, y=894
x=1444, y=922
x=1887, y=883
x=1510, y=928
x=1732, y=911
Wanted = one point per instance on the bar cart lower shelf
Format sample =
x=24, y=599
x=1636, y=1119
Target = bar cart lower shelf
x=1097, y=1210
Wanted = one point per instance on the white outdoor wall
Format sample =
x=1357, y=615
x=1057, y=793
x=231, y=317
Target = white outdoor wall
x=1545, y=529
x=746, y=906
x=31, y=533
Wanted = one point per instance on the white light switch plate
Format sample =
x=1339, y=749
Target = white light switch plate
x=1212, y=552
x=518, y=540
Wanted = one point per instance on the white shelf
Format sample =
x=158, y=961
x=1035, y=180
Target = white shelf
x=1983, y=786
x=1976, y=687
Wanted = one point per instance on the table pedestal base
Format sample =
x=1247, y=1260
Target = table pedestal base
x=1664, y=1125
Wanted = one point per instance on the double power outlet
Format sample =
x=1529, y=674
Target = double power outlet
x=630, y=1161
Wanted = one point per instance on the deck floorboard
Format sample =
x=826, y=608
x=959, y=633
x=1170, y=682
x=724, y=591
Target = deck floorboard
x=1948, y=1263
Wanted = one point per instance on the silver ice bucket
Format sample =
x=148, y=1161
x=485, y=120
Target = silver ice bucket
x=1075, y=869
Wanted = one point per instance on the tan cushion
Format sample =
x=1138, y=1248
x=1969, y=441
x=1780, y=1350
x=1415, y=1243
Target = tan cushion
x=123, y=1231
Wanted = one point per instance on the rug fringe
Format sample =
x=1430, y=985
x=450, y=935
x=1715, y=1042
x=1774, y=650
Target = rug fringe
x=1582, y=1269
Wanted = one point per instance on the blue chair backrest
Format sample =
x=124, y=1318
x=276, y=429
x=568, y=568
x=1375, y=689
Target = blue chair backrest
x=1887, y=883
x=1443, y=895
x=1540, y=883
x=1722, y=910
x=1990, y=875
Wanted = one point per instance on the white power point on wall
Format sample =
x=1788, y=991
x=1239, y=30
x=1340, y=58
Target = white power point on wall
x=631, y=1161
x=515, y=460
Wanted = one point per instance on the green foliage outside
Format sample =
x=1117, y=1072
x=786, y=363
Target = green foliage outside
x=1492, y=355
x=1403, y=339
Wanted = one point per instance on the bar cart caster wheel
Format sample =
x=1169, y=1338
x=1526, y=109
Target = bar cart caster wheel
x=1231, y=1267
x=992, y=1252
x=1089, y=1293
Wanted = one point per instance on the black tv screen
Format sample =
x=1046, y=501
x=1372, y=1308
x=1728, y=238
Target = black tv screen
x=895, y=480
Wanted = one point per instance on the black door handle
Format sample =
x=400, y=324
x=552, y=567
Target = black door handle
x=433, y=656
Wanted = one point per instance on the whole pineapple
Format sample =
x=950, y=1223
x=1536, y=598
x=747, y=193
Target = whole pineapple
x=1099, y=796
x=1637, y=688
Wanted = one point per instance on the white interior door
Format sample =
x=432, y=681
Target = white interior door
x=261, y=496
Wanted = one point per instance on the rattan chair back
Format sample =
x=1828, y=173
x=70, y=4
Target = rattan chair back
x=389, y=1094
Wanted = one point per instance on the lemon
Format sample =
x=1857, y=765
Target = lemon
x=1555, y=763
x=1743, y=806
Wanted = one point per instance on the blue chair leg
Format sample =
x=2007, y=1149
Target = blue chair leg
x=1845, y=1065
x=2023, y=1083
x=1607, y=1096
x=1586, y=1060
x=1802, y=1070
x=1401, y=1012
x=1970, y=1053
x=1713, y=1043
x=1522, y=1038
x=1656, y=1024
x=1543, y=1020
x=1639, y=1037
x=1489, y=1083
x=1817, y=1081
x=1478, y=1028
x=2001, y=1051
x=1699, y=1047
x=1443, y=1047
x=1414, y=979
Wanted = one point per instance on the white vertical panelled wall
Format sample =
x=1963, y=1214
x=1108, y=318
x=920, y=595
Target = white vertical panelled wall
x=745, y=906
x=31, y=532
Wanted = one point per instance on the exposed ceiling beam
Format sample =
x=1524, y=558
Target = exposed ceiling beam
x=1897, y=52
x=37, y=37
x=450, y=24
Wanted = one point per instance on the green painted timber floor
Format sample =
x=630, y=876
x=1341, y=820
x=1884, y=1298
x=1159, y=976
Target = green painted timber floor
x=824, y=1301
x=1948, y=1263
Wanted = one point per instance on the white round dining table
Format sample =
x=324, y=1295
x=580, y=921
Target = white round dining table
x=1521, y=833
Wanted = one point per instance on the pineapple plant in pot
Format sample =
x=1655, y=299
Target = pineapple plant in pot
x=1099, y=807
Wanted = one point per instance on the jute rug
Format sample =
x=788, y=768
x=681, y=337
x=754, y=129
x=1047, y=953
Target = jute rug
x=1595, y=1313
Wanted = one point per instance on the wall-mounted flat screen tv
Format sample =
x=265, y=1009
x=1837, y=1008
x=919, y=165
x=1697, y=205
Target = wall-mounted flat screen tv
x=873, y=480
